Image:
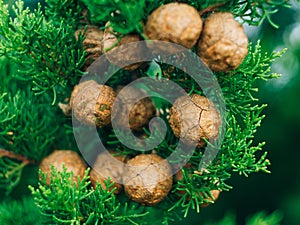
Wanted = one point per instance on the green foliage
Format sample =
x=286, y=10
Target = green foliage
x=229, y=219
x=48, y=55
x=23, y=128
x=7, y=68
x=244, y=114
x=40, y=55
x=128, y=15
x=124, y=16
x=68, y=10
x=68, y=202
x=240, y=151
x=29, y=123
x=243, y=117
x=237, y=153
x=204, y=6
x=49, y=58
x=19, y=212
x=239, y=86
x=10, y=174
x=255, y=12
x=180, y=77
x=291, y=207
x=260, y=218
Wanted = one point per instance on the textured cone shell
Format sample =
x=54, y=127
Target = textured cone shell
x=175, y=22
x=195, y=118
x=104, y=168
x=70, y=159
x=223, y=44
x=148, y=179
x=92, y=103
x=112, y=41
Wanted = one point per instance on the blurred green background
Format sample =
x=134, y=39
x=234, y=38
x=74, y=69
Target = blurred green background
x=279, y=190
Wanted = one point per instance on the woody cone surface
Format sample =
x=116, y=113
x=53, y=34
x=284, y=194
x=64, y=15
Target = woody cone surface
x=223, y=44
x=147, y=179
x=70, y=159
x=195, y=118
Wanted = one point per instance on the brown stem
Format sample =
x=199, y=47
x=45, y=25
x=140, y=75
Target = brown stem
x=211, y=8
x=12, y=155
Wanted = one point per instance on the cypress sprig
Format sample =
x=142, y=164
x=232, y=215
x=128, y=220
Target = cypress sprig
x=190, y=192
x=238, y=86
x=10, y=174
x=49, y=59
x=124, y=16
x=23, y=129
x=47, y=53
x=128, y=16
x=66, y=201
x=255, y=12
x=237, y=154
x=62, y=196
x=70, y=10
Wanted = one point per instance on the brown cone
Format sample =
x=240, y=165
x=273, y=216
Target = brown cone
x=70, y=159
x=148, y=179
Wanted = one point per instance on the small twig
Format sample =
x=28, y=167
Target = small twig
x=65, y=108
x=12, y=155
x=211, y=8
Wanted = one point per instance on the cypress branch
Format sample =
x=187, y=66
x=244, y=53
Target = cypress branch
x=46, y=51
x=255, y=12
x=10, y=173
x=128, y=16
x=66, y=202
x=12, y=155
x=50, y=58
x=70, y=10
x=22, y=129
